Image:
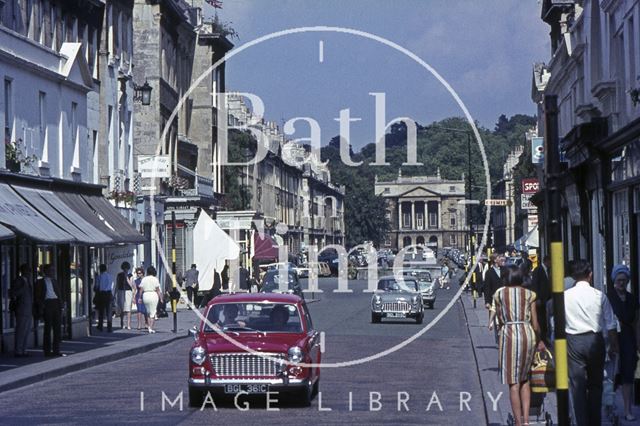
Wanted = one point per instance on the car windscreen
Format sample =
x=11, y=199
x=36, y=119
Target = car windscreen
x=405, y=284
x=272, y=279
x=251, y=317
x=425, y=285
x=419, y=275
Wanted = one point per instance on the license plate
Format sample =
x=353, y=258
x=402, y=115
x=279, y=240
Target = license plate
x=248, y=388
x=395, y=315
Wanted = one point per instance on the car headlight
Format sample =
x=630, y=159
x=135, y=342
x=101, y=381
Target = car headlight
x=414, y=300
x=198, y=355
x=295, y=354
x=377, y=301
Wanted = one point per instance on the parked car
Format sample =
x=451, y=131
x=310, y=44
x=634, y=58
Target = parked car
x=396, y=298
x=426, y=285
x=274, y=333
x=272, y=279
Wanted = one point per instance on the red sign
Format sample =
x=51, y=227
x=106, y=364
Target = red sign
x=530, y=186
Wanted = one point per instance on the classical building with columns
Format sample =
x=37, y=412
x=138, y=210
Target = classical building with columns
x=424, y=210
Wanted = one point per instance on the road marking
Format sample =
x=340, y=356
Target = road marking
x=321, y=51
x=322, y=342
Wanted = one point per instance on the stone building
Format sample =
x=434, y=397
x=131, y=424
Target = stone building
x=594, y=73
x=174, y=48
x=54, y=73
x=289, y=186
x=424, y=210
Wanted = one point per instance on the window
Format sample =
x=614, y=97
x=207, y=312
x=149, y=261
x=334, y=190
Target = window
x=433, y=220
x=8, y=110
x=453, y=220
x=406, y=220
x=42, y=110
x=452, y=188
x=621, y=246
x=387, y=190
x=452, y=240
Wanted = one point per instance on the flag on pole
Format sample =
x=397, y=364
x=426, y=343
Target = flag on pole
x=215, y=3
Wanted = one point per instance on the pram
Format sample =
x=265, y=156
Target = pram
x=537, y=412
x=609, y=390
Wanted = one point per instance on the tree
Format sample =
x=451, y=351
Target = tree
x=237, y=195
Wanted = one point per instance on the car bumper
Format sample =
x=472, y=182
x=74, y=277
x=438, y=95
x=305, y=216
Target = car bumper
x=427, y=298
x=218, y=386
x=393, y=314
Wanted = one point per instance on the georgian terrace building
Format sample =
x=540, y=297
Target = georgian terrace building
x=424, y=210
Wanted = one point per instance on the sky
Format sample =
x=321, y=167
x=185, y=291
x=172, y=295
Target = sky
x=484, y=50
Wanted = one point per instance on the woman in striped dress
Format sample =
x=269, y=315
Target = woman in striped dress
x=514, y=309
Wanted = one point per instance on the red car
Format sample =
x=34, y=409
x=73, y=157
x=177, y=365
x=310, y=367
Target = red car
x=277, y=335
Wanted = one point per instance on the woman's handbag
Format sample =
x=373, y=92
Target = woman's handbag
x=543, y=374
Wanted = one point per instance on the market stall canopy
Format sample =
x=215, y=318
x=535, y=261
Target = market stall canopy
x=211, y=248
x=5, y=233
x=265, y=247
x=17, y=214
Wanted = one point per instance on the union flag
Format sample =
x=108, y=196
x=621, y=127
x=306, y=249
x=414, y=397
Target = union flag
x=215, y=3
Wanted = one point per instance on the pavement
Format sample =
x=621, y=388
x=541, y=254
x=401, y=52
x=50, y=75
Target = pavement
x=89, y=351
x=486, y=354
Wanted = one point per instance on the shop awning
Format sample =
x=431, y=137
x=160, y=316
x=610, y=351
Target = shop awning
x=17, y=214
x=529, y=239
x=265, y=247
x=103, y=216
x=110, y=214
x=5, y=233
x=51, y=206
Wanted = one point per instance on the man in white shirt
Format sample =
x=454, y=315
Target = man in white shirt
x=588, y=313
x=104, y=292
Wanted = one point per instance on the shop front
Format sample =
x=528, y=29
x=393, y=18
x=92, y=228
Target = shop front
x=66, y=224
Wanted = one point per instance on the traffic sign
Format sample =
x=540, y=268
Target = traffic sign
x=495, y=202
x=530, y=186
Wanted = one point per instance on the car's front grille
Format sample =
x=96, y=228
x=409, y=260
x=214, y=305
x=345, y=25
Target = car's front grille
x=246, y=364
x=396, y=307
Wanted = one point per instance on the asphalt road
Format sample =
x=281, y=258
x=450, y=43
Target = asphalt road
x=435, y=372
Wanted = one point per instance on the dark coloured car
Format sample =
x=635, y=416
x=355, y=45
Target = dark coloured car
x=274, y=334
x=271, y=283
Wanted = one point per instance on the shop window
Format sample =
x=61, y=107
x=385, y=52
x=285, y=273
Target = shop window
x=621, y=248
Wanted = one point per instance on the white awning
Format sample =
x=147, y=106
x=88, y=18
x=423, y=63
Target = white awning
x=19, y=215
x=49, y=205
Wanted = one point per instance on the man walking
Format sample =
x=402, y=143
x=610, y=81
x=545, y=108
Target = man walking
x=540, y=284
x=22, y=294
x=104, y=291
x=48, y=296
x=587, y=309
x=191, y=282
x=492, y=282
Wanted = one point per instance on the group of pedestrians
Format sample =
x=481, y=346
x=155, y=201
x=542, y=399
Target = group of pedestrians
x=40, y=300
x=143, y=291
x=521, y=312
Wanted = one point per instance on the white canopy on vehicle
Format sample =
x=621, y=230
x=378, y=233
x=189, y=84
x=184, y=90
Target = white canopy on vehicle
x=211, y=247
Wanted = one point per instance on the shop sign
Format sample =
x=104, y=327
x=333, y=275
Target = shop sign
x=154, y=166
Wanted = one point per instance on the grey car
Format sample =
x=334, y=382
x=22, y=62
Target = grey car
x=397, y=298
x=425, y=284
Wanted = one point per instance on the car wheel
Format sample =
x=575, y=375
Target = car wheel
x=375, y=318
x=419, y=318
x=431, y=305
x=307, y=396
x=196, y=397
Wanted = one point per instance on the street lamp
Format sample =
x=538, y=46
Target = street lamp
x=469, y=183
x=142, y=93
